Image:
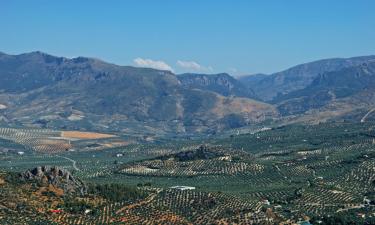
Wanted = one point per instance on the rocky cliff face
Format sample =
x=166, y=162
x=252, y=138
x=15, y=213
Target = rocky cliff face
x=222, y=83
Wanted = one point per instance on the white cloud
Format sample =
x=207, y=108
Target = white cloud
x=160, y=65
x=193, y=66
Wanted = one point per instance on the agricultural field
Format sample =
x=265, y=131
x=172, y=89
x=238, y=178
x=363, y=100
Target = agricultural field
x=284, y=175
x=52, y=141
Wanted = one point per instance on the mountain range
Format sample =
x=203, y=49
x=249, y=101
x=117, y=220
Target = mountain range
x=40, y=90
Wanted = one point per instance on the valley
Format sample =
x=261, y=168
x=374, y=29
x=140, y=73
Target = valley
x=187, y=112
x=83, y=141
x=288, y=173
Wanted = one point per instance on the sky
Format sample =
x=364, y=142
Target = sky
x=239, y=37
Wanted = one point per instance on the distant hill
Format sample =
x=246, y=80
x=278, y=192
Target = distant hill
x=337, y=93
x=40, y=90
x=299, y=77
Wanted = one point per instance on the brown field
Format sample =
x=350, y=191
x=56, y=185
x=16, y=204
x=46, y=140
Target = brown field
x=48, y=145
x=84, y=135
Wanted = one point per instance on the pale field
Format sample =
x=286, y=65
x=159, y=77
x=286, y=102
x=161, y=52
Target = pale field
x=84, y=135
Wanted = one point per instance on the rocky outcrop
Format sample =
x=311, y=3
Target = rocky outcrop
x=55, y=176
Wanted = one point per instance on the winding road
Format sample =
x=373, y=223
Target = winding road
x=367, y=114
x=71, y=160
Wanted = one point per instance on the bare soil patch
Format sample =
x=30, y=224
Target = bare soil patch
x=84, y=135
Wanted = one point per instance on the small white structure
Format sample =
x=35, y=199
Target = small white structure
x=119, y=155
x=265, y=202
x=225, y=158
x=183, y=188
x=20, y=153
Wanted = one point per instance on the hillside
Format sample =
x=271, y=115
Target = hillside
x=40, y=90
x=222, y=83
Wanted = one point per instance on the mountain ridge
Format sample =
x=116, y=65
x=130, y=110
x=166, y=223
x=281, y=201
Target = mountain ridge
x=42, y=90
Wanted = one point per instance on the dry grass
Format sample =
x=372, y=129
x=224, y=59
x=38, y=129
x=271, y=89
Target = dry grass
x=84, y=135
x=50, y=188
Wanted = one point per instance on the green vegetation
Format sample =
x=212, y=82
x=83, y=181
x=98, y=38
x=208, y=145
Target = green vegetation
x=324, y=172
x=116, y=192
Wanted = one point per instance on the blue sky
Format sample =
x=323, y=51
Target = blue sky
x=208, y=36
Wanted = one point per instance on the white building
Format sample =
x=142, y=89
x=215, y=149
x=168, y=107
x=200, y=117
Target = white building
x=183, y=188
